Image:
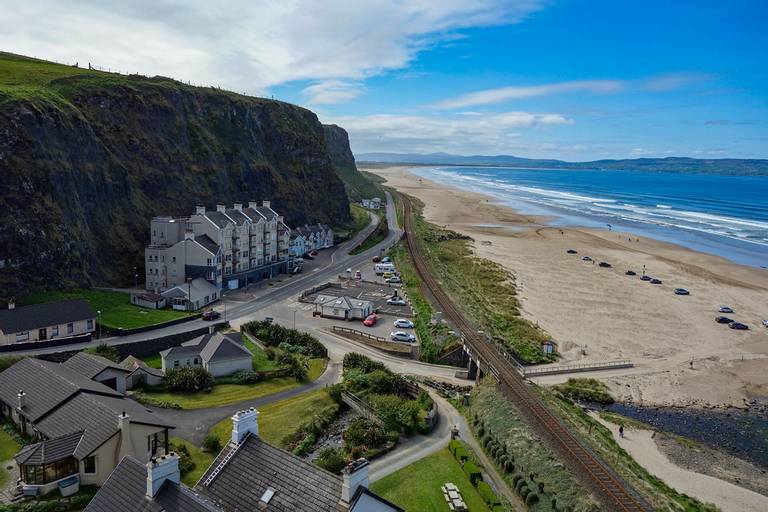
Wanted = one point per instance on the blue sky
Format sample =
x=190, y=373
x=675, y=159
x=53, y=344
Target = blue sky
x=575, y=80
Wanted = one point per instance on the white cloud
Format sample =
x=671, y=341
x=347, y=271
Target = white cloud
x=328, y=92
x=502, y=94
x=672, y=81
x=454, y=133
x=245, y=45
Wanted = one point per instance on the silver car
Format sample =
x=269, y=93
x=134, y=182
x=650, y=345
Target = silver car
x=402, y=323
x=402, y=336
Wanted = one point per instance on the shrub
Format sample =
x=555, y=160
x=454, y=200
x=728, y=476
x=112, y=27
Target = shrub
x=532, y=499
x=516, y=479
x=397, y=413
x=273, y=335
x=243, y=377
x=145, y=399
x=361, y=362
x=8, y=361
x=186, y=464
x=524, y=491
x=480, y=431
x=271, y=353
x=334, y=392
x=487, y=494
x=462, y=454
x=211, y=443
x=509, y=466
x=473, y=472
x=586, y=390
x=453, y=445
x=105, y=351
x=331, y=459
x=363, y=432
x=187, y=379
x=305, y=444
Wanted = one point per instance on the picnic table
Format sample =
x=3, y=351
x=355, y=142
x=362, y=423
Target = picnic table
x=453, y=497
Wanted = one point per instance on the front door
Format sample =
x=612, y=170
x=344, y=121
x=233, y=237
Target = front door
x=42, y=334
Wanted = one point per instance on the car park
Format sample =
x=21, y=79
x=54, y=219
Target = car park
x=402, y=336
x=370, y=320
x=725, y=309
x=681, y=291
x=586, y=258
x=630, y=273
x=605, y=264
x=655, y=281
x=738, y=326
x=403, y=323
x=572, y=251
x=723, y=320
x=211, y=315
x=645, y=278
x=396, y=301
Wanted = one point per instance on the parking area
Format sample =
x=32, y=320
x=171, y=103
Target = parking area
x=377, y=293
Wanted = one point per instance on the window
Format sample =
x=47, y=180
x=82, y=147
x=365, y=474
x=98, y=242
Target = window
x=175, y=363
x=173, y=260
x=210, y=262
x=90, y=324
x=22, y=336
x=197, y=361
x=70, y=328
x=89, y=465
x=55, y=330
x=213, y=295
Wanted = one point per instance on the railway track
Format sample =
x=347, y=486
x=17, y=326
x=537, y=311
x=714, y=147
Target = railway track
x=614, y=494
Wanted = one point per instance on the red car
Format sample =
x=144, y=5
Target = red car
x=376, y=259
x=313, y=253
x=370, y=320
x=211, y=315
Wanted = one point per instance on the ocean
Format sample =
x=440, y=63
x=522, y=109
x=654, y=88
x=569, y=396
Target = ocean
x=722, y=215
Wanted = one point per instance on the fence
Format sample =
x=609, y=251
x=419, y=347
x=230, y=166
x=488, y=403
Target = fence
x=359, y=406
x=397, y=347
x=318, y=288
x=575, y=368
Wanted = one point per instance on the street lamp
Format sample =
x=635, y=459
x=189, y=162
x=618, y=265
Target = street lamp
x=294, y=319
x=98, y=320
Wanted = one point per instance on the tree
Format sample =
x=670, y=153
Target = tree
x=211, y=443
x=188, y=380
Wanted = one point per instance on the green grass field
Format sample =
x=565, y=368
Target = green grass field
x=278, y=419
x=201, y=459
x=224, y=394
x=260, y=361
x=8, y=448
x=154, y=361
x=116, y=308
x=417, y=486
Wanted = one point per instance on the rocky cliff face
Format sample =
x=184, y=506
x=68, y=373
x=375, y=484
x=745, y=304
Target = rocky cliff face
x=358, y=185
x=84, y=172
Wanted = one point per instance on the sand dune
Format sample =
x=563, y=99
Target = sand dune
x=601, y=314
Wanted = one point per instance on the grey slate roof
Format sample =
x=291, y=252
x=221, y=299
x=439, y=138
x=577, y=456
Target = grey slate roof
x=47, y=385
x=132, y=364
x=27, y=318
x=125, y=491
x=210, y=347
x=96, y=416
x=237, y=216
x=218, y=218
x=50, y=450
x=90, y=365
x=208, y=244
x=267, y=213
x=301, y=486
x=253, y=214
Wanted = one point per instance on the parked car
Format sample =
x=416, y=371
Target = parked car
x=313, y=253
x=385, y=259
x=402, y=336
x=586, y=258
x=296, y=269
x=723, y=320
x=396, y=301
x=630, y=273
x=394, y=280
x=605, y=264
x=645, y=278
x=370, y=320
x=375, y=259
x=738, y=326
x=655, y=281
x=765, y=323
x=681, y=291
x=403, y=323
x=358, y=274
x=572, y=251
x=725, y=309
x=388, y=274
x=211, y=315
x=308, y=257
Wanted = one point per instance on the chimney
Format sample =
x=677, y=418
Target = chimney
x=266, y=204
x=160, y=470
x=200, y=210
x=221, y=208
x=189, y=235
x=22, y=399
x=124, y=424
x=244, y=422
x=253, y=204
x=354, y=476
x=11, y=304
x=239, y=207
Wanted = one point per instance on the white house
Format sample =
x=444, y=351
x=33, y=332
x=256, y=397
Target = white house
x=192, y=296
x=344, y=308
x=298, y=244
x=218, y=354
x=41, y=322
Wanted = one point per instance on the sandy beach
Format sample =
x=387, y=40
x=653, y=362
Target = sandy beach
x=600, y=314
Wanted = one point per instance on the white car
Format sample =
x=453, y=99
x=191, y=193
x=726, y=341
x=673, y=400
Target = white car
x=765, y=323
x=396, y=301
x=402, y=336
x=394, y=280
x=402, y=323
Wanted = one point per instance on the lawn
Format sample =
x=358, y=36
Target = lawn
x=430, y=473
x=278, y=419
x=225, y=394
x=260, y=361
x=8, y=448
x=201, y=459
x=116, y=308
x=154, y=361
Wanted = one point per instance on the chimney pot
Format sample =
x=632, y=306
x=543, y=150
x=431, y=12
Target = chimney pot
x=22, y=399
x=189, y=235
x=221, y=208
x=200, y=210
x=266, y=204
x=354, y=476
x=238, y=206
x=244, y=422
x=11, y=304
x=253, y=204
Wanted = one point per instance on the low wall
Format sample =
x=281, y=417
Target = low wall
x=318, y=288
x=58, y=342
x=393, y=347
x=137, y=330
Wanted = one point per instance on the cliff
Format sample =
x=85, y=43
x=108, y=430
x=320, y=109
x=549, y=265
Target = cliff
x=88, y=158
x=356, y=183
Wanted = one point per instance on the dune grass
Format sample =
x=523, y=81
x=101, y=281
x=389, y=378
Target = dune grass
x=417, y=486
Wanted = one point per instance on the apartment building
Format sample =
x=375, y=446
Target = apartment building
x=228, y=247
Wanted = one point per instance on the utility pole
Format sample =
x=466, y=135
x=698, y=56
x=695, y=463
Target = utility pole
x=98, y=313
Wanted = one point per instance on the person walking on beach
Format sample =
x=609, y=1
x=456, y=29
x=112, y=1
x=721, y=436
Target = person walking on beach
x=621, y=431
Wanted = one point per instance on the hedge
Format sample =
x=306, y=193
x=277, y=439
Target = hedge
x=487, y=494
x=473, y=472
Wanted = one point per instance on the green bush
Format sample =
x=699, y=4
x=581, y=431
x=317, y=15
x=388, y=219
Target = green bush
x=242, y=377
x=487, y=494
x=397, y=413
x=145, y=399
x=473, y=472
x=8, y=361
x=334, y=392
x=453, y=445
x=305, y=444
x=188, y=379
x=363, y=432
x=361, y=362
x=274, y=335
x=462, y=454
x=331, y=459
x=105, y=351
x=532, y=499
x=212, y=444
x=186, y=464
x=585, y=390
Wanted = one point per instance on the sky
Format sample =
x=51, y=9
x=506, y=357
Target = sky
x=567, y=79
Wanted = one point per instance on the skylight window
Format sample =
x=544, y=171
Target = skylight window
x=268, y=494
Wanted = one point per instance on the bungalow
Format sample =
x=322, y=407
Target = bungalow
x=149, y=300
x=40, y=322
x=83, y=427
x=218, y=354
x=191, y=296
x=99, y=369
x=248, y=474
x=140, y=373
x=373, y=204
x=344, y=307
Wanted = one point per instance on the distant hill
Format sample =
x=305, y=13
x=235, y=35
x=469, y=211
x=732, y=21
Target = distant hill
x=729, y=166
